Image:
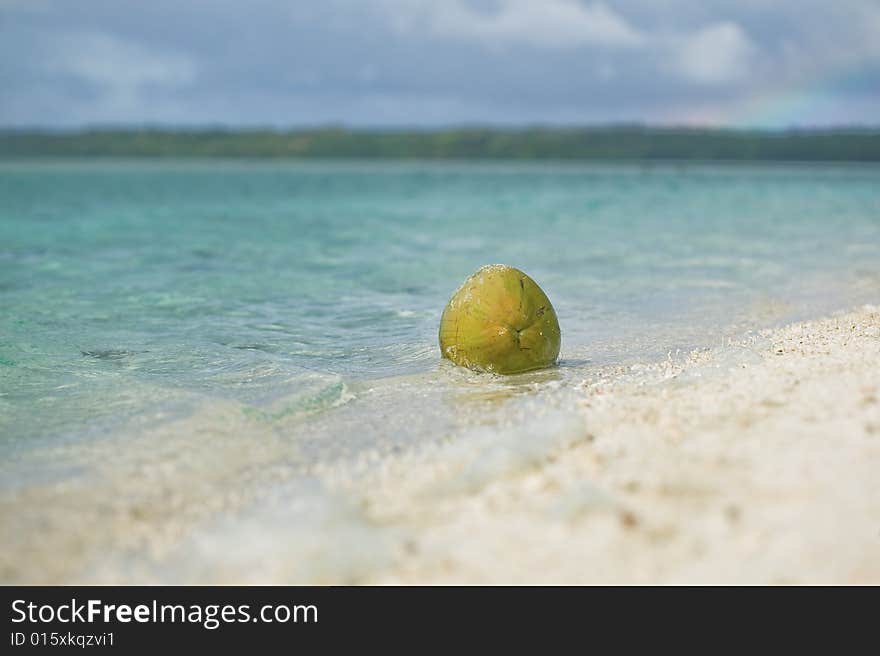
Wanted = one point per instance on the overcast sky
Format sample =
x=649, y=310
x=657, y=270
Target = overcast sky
x=439, y=62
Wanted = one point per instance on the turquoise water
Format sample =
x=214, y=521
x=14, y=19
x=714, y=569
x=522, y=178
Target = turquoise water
x=196, y=356
x=147, y=287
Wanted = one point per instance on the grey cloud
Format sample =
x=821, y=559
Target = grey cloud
x=417, y=62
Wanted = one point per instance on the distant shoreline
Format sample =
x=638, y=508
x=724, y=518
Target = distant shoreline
x=598, y=144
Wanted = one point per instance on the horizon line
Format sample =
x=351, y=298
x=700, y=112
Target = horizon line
x=403, y=128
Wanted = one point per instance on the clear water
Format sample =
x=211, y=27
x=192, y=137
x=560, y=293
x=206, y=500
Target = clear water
x=302, y=299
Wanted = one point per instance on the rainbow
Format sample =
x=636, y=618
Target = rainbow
x=797, y=105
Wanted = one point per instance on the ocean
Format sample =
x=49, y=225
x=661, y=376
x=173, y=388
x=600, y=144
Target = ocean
x=184, y=344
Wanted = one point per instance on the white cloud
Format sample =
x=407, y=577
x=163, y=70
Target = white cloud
x=108, y=60
x=120, y=69
x=425, y=60
x=717, y=54
x=551, y=24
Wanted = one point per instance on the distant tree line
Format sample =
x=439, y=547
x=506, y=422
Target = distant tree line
x=605, y=143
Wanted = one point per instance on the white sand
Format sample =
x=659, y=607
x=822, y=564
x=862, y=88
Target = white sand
x=754, y=462
x=767, y=472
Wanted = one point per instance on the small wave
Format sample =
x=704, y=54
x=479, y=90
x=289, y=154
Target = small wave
x=301, y=533
x=320, y=394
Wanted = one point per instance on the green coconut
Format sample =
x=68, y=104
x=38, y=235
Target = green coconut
x=500, y=321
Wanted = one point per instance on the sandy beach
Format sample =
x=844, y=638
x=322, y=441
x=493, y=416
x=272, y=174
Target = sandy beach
x=751, y=462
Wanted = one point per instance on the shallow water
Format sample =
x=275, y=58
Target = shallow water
x=288, y=310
